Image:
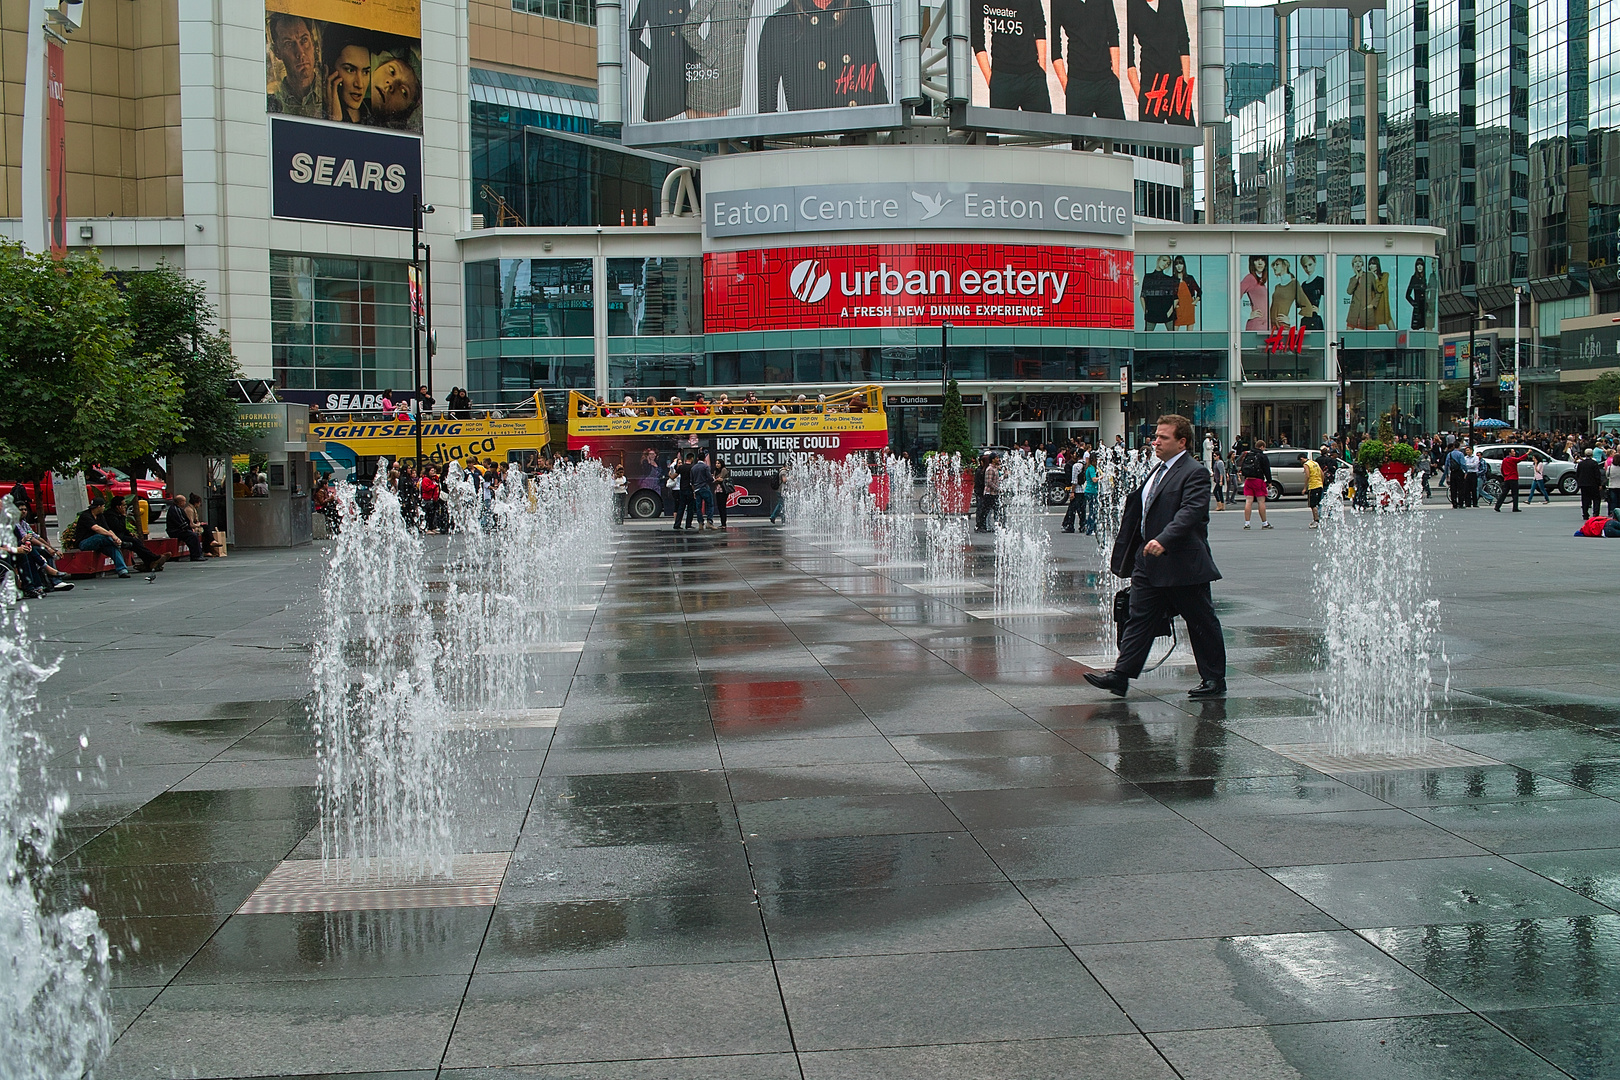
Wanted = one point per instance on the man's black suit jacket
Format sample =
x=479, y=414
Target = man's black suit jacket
x=1177, y=519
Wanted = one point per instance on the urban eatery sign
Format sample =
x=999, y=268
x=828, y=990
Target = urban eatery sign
x=872, y=285
x=955, y=205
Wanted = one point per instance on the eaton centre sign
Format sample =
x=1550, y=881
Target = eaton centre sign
x=954, y=205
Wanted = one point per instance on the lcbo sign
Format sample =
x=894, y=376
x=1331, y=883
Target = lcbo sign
x=919, y=285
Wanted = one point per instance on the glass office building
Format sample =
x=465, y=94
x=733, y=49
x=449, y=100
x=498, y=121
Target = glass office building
x=1497, y=121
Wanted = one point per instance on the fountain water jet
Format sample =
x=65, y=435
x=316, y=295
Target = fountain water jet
x=1023, y=549
x=1381, y=628
x=54, y=1010
x=385, y=763
x=946, y=502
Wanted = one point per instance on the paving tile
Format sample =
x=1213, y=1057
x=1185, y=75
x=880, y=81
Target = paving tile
x=730, y=1067
x=1118, y=1057
x=236, y=1029
x=1105, y=849
x=869, y=862
x=147, y=950
x=811, y=781
x=340, y=945
x=1525, y=826
x=760, y=754
x=1161, y=907
x=1416, y=1046
x=1474, y=784
x=1088, y=804
x=568, y=823
x=1269, y=979
x=1594, y=874
x=1584, y=1041
x=846, y=815
x=1415, y=892
x=1275, y=796
x=974, y=774
x=688, y=929
x=918, y=999
x=1524, y=964
x=598, y=1014
x=1352, y=836
x=907, y=919
x=539, y=873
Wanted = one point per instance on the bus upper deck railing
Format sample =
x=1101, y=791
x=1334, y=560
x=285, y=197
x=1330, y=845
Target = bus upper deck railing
x=528, y=408
x=859, y=399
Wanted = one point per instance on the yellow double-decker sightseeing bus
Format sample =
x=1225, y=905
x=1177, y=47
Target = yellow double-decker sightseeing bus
x=756, y=438
x=352, y=443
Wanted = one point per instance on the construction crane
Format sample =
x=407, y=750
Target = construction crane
x=503, y=212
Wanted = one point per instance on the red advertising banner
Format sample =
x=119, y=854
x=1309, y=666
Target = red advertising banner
x=866, y=285
x=55, y=149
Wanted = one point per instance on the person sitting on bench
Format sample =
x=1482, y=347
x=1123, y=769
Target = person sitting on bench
x=116, y=520
x=178, y=525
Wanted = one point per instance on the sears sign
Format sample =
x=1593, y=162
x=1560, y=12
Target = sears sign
x=342, y=173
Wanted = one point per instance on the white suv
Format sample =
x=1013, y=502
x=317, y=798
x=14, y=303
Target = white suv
x=1560, y=474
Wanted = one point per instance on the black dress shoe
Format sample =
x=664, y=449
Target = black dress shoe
x=1111, y=681
x=1217, y=688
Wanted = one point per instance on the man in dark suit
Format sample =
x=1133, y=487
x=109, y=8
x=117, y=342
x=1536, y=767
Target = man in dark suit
x=1163, y=547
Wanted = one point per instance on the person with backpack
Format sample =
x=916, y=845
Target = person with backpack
x=1256, y=470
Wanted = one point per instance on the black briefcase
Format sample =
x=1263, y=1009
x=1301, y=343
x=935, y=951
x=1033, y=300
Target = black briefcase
x=1122, y=615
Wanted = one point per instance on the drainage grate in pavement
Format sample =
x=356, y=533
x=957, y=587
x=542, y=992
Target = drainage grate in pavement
x=313, y=885
x=501, y=721
x=1435, y=756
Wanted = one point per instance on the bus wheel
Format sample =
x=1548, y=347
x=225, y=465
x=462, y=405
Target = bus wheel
x=645, y=504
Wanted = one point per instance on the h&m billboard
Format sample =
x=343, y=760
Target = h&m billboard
x=705, y=69
x=872, y=285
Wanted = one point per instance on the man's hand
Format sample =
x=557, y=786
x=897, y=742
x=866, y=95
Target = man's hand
x=1153, y=547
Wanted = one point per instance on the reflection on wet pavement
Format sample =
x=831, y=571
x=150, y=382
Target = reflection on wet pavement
x=798, y=819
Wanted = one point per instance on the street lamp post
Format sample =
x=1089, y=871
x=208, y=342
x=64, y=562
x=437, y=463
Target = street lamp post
x=944, y=361
x=1518, y=293
x=1468, y=408
x=418, y=210
x=1344, y=395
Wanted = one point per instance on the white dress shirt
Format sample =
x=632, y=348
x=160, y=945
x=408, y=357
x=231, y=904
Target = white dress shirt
x=1152, y=485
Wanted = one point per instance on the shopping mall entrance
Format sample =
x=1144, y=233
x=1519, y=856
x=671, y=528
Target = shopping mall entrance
x=1283, y=423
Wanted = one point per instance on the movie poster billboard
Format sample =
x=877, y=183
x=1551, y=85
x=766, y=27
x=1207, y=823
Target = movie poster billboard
x=1181, y=292
x=1090, y=68
x=1388, y=292
x=345, y=62
x=697, y=70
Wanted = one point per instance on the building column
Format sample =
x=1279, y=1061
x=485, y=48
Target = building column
x=599, y=317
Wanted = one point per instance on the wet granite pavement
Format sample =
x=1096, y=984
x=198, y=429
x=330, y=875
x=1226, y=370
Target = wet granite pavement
x=799, y=820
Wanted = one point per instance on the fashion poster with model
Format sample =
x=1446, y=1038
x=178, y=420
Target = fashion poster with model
x=704, y=69
x=1085, y=67
x=346, y=63
x=1388, y=292
x=1181, y=292
x=1282, y=292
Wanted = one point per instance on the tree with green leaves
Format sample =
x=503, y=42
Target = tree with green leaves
x=1598, y=397
x=953, y=425
x=76, y=389
x=172, y=321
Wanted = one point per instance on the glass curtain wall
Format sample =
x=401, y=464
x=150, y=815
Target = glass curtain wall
x=339, y=324
x=1501, y=140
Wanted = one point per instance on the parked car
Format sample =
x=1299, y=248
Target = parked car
x=1560, y=474
x=1287, y=475
x=98, y=479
